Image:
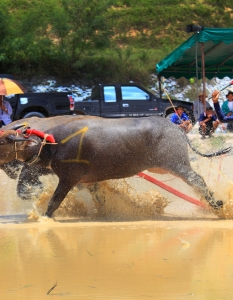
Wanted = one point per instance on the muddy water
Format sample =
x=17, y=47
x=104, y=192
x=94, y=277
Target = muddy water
x=142, y=260
x=166, y=248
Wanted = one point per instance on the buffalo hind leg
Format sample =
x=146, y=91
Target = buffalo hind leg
x=60, y=193
x=197, y=182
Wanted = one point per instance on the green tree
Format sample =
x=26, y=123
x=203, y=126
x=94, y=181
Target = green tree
x=84, y=28
x=52, y=34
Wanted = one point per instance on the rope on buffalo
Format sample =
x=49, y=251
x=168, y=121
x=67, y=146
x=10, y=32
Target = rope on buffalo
x=36, y=157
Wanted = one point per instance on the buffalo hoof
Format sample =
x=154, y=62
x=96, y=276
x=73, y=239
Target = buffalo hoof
x=219, y=203
x=48, y=214
x=216, y=204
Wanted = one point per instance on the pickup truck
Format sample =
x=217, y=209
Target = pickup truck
x=126, y=100
x=106, y=100
x=38, y=104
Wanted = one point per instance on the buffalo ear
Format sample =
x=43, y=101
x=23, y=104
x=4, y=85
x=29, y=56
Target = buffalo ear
x=30, y=141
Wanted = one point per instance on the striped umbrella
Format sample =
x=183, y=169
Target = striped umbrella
x=10, y=86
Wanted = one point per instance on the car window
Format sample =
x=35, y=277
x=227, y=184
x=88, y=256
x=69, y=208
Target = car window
x=109, y=94
x=134, y=93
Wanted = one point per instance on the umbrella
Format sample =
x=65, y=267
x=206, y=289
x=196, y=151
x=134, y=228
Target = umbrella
x=10, y=86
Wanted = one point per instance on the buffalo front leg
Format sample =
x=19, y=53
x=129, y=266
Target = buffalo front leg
x=60, y=193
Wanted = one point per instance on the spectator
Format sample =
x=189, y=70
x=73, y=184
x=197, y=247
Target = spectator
x=181, y=119
x=208, y=123
x=227, y=108
x=222, y=117
x=5, y=112
x=198, y=106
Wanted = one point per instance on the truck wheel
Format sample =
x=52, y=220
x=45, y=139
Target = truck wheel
x=33, y=114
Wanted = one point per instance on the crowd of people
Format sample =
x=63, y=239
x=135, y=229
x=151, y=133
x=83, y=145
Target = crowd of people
x=207, y=118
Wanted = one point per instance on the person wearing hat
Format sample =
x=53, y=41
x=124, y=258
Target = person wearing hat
x=227, y=107
x=198, y=106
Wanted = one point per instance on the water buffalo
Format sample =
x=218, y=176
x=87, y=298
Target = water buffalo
x=87, y=149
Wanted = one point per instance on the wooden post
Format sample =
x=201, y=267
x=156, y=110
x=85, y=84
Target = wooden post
x=203, y=73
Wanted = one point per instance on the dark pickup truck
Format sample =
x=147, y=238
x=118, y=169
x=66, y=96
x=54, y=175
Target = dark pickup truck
x=40, y=105
x=125, y=100
x=106, y=100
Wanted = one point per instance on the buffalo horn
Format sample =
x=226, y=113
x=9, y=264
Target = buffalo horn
x=14, y=138
x=15, y=127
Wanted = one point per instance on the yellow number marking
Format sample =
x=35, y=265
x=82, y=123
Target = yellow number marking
x=77, y=159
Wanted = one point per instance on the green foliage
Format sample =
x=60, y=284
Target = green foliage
x=117, y=65
x=114, y=40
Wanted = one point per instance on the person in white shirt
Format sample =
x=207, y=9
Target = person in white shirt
x=5, y=112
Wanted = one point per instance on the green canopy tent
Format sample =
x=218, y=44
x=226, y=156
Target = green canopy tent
x=206, y=54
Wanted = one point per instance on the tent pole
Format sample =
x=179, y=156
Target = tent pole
x=203, y=73
x=160, y=86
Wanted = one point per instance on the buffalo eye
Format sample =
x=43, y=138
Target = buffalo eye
x=9, y=140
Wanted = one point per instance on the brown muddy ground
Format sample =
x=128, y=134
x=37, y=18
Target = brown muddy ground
x=133, y=240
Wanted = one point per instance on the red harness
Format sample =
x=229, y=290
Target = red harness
x=48, y=137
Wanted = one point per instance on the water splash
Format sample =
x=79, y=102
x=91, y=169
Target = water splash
x=112, y=199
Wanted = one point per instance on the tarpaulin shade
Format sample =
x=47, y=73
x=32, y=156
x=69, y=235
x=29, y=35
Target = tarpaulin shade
x=186, y=60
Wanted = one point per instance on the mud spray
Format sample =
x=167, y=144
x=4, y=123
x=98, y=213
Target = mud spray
x=218, y=175
x=116, y=200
